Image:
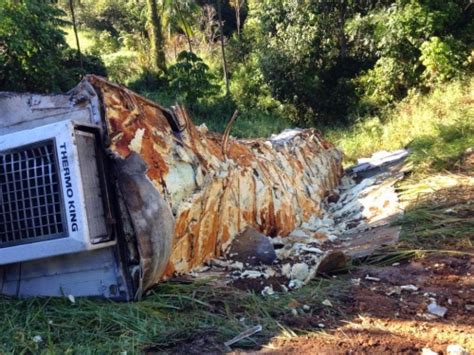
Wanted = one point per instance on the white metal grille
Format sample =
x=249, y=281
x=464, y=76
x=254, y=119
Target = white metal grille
x=31, y=207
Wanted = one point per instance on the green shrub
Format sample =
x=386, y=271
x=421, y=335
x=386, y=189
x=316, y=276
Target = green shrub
x=189, y=78
x=441, y=60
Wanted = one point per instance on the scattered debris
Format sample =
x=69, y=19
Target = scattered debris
x=37, y=339
x=428, y=351
x=243, y=335
x=327, y=303
x=71, y=299
x=409, y=288
x=456, y=349
x=355, y=282
x=371, y=278
x=396, y=290
x=437, y=310
x=351, y=225
x=268, y=291
x=299, y=271
x=295, y=284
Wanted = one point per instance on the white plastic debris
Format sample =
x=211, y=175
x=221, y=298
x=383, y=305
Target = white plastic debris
x=428, y=351
x=286, y=270
x=306, y=307
x=409, y=288
x=37, y=339
x=294, y=284
x=237, y=265
x=321, y=325
x=327, y=303
x=71, y=299
x=299, y=271
x=456, y=349
x=355, y=282
x=268, y=291
x=312, y=250
x=371, y=278
x=437, y=310
x=299, y=233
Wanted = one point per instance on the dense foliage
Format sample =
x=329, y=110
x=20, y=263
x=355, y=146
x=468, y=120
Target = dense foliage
x=34, y=55
x=302, y=61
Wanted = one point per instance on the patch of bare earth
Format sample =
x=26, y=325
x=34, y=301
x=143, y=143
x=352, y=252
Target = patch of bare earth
x=385, y=318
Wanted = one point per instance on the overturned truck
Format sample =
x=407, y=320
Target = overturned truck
x=105, y=193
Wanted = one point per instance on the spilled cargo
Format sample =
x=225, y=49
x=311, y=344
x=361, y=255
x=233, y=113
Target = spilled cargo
x=105, y=193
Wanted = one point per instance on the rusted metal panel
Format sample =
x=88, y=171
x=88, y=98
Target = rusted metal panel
x=271, y=185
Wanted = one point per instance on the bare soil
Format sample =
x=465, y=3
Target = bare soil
x=382, y=319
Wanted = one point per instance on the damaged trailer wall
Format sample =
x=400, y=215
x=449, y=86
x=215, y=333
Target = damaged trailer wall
x=271, y=185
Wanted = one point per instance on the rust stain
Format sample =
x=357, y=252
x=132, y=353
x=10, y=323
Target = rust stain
x=271, y=185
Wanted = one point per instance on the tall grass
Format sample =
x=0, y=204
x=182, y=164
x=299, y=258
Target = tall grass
x=438, y=127
x=172, y=314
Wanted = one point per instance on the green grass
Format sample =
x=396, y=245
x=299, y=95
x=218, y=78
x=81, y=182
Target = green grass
x=86, y=38
x=439, y=213
x=438, y=127
x=171, y=314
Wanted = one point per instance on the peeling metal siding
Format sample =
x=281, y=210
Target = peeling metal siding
x=272, y=185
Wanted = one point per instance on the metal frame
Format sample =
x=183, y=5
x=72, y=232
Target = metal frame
x=77, y=240
x=28, y=220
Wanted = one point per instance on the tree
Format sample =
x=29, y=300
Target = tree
x=156, y=37
x=414, y=44
x=179, y=15
x=237, y=5
x=74, y=26
x=303, y=55
x=35, y=56
x=222, y=40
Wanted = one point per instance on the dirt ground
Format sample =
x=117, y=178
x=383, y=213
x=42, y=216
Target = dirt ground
x=384, y=319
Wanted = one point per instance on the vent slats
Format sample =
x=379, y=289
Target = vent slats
x=31, y=207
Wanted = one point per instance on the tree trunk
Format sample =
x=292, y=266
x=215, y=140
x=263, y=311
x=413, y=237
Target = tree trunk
x=187, y=28
x=224, y=61
x=237, y=15
x=156, y=37
x=74, y=26
x=341, y=32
